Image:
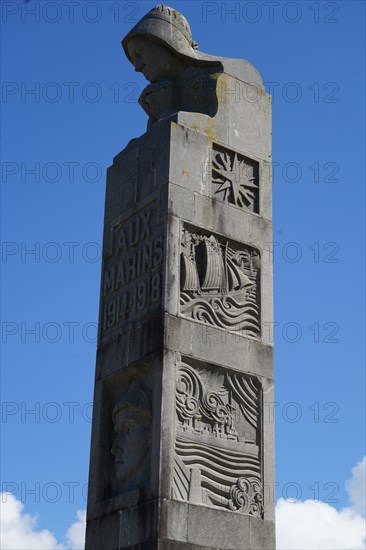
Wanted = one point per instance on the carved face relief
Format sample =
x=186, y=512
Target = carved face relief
x=154, y=60
x=132, y=428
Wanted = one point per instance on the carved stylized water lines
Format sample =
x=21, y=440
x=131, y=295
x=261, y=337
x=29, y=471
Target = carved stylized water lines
x=246, y=495
x=220, y=284
x=228, y=479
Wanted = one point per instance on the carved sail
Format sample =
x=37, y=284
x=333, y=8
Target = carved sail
x=214, y=273
x=237, y=280
x=217, y=271
x=190, y=279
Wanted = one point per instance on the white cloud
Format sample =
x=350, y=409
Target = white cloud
x=307, y=525
x=18, y=531
x=312, y=525
x=356, y=487
x=75, y=534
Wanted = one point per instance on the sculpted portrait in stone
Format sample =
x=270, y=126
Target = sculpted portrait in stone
x=181, y=78
x=132, y=433
x=182, y=449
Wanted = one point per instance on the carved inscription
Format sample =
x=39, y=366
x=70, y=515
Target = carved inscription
x=235, y=179
x=218, y=438
x=132, y=279
x=220, y=282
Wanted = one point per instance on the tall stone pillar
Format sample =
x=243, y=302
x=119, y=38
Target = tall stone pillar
x=182, y=453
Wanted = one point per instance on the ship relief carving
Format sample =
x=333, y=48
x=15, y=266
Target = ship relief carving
x=235, y=179
x=218, y=439
x=220, y=282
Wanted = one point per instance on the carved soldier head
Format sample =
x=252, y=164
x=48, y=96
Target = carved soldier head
x=132, y=428
x=161, y=47
x=154, y=60
x=170, y=33
x=168, y=44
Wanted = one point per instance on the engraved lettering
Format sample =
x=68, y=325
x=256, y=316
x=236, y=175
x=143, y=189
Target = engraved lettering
x=145, y=230
x=131, y=269
x=133, y=283
x=142, y=295
x=122, y=310
x=155, y=288
x=146, y=257
x=133, y=233
x=109, y=281
x=158, y=251
x=139, y=266
x=120, y=279
x=137, y=298
x=122, y=242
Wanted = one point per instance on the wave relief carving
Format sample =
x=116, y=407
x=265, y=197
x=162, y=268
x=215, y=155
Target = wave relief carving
x=220, y=283
x=217, y=444
x=246, y=495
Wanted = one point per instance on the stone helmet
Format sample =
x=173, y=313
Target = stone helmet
x=170, y=27
x=136, y=400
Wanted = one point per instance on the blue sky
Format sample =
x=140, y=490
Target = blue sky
x=58, y=142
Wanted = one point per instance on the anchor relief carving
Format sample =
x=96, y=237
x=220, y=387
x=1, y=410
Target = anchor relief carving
x=217, y=443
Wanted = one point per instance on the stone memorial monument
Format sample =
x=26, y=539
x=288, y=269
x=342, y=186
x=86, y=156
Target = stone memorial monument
x=182, y=453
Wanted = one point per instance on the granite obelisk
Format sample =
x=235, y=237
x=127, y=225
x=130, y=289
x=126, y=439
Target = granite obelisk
x=182, y=453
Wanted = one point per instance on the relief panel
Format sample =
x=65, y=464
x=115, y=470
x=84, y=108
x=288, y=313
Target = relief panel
x=220, y=282
x=122, y=444
x=235, y=179
x=217, y=460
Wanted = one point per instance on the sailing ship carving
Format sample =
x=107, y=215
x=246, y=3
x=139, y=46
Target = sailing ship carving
x=219, y=283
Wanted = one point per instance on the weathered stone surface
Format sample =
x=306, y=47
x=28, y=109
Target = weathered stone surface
x=182, y=453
